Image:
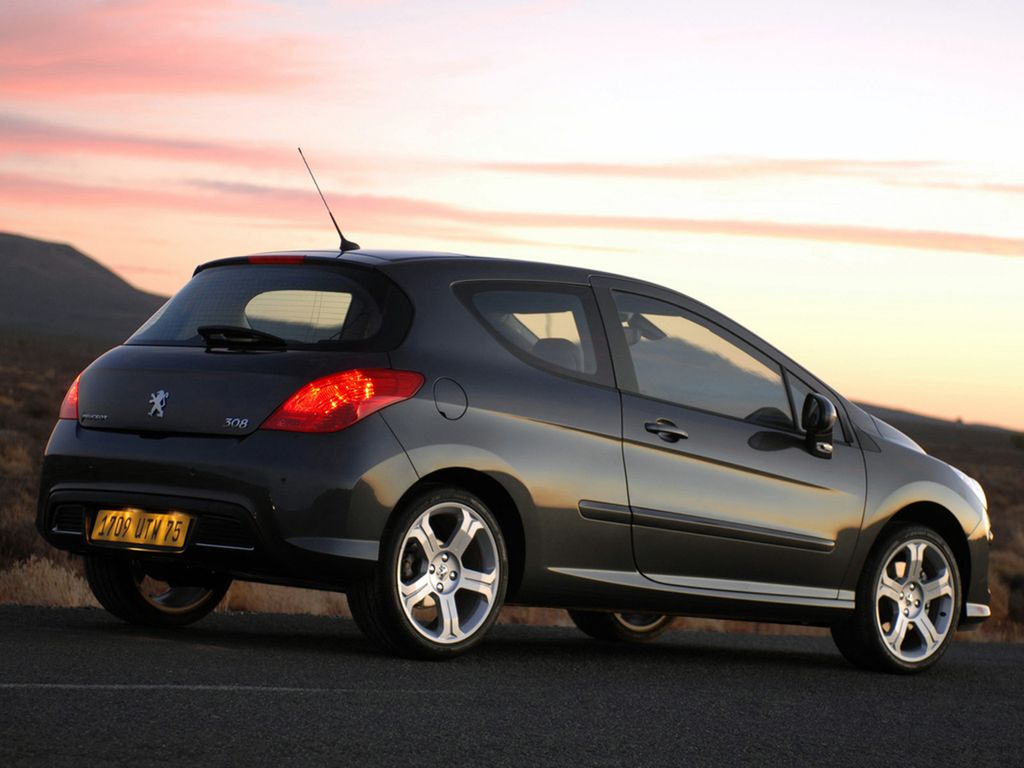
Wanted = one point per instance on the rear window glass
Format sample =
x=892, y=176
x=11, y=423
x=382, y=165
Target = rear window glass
x=306, y=305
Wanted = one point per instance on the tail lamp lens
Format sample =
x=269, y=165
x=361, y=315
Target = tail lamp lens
x=340, y=400
x=69, y=407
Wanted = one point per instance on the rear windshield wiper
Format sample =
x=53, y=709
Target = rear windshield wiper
x=238, y=337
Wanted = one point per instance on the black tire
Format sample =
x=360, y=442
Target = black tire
x=860, y=639
x=625, y=627
x=118, y=585
x=376, y=605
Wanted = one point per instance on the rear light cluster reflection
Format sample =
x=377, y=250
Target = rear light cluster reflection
x=337, y=401
x=69, y=408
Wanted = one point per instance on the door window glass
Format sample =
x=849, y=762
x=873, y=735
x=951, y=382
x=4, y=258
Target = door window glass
x=681, y=359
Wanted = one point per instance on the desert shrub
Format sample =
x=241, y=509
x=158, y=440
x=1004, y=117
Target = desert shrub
x=267, y=598
x=40, y=581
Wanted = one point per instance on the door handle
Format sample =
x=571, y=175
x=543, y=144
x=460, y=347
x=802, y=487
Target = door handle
x=666, y=430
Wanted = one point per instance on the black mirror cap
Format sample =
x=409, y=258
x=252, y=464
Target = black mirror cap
x=818, y=418
x=819, y=414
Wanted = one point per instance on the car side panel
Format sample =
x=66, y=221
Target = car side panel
x=738, y=502
x=889, y=492
x=551, y=440
x=734, y=504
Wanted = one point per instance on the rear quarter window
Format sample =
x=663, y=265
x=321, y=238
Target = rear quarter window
x=306, y=305
x=552, y=326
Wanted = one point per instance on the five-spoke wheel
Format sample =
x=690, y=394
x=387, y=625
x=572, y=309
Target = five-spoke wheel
x=907, y=605
x=914, y=600
x=447, y=572
x=441, y=579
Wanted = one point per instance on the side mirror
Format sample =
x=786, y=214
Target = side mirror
x=818, y=418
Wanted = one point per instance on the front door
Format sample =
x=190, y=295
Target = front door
x=725, y=497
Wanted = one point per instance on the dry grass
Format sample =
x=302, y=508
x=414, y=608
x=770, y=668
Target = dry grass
x=14, y=456
x=38, y=581
x=35, y=374
x=519, y=614
x=267, y=598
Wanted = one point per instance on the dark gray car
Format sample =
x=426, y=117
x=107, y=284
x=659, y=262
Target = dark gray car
x=438, y=435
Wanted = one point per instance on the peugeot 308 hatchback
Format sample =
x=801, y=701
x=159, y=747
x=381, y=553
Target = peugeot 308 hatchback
x=438, y=435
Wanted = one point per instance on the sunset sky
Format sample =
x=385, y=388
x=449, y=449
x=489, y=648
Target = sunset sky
x=844, y=178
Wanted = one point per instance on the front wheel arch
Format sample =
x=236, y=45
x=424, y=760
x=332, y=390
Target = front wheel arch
x=945, y=524
x=862, y=637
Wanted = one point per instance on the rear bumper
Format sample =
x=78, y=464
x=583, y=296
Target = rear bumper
x=272, y=506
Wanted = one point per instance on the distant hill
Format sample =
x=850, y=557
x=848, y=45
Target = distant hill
x=984, y=448
x=893, y=416
x=51, y=289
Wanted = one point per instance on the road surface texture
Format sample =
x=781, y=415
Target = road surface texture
x=78, y=688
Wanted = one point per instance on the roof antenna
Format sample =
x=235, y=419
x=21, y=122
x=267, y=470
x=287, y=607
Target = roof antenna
x=346, y=245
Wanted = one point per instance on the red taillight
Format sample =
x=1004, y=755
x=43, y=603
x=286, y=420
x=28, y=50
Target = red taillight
x=276, y=259
x=341, y=399
x=69, y=408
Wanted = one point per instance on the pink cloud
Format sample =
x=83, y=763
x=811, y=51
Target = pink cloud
x=59, y=49
x=25, y=135
x=1006, y=189
x=259, y=206
x=935, y=240
x=21, y=135
x=717, y=169
x=402, y=215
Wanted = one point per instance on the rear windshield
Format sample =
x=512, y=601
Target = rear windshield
x=309, y=306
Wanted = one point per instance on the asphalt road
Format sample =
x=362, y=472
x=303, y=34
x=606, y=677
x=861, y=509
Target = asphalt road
x=78, y=688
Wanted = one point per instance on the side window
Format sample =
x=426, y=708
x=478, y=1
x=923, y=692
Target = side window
x=680, y=359
x=548, y=326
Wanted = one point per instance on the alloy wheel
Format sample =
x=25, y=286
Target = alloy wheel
x=641, y=622
x=448, y=572
x=166, y=597
x=914, y=600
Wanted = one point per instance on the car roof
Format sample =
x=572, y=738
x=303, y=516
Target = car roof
x=392, y=259
x=368, y=254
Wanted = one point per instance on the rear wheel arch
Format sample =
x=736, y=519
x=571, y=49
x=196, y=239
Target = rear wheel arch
x=497, y=498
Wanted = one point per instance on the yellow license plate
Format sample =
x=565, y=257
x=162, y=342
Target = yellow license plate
x=164, y=530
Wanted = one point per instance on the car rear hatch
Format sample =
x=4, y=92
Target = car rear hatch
x=240, y=339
